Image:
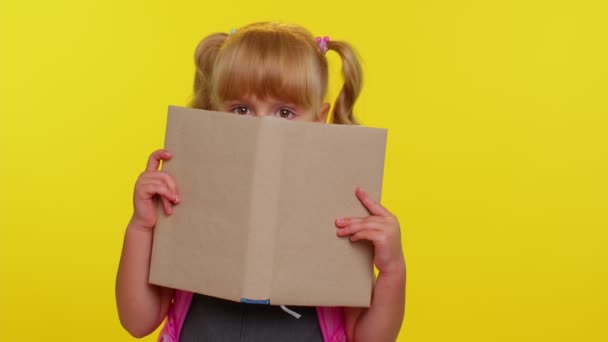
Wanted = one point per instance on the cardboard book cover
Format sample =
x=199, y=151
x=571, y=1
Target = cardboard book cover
x=258, y=202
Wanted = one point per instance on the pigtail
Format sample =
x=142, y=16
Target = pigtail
x=204, y=59
x=353, y=81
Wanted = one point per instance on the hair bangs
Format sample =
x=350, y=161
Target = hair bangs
x=268, y=64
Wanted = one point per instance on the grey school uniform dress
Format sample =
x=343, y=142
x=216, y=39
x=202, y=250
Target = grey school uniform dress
x=213, y=319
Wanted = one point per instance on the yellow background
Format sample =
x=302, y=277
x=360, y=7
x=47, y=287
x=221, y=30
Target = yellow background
x=496, y=164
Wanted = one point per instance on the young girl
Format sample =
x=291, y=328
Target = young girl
x=261, y=69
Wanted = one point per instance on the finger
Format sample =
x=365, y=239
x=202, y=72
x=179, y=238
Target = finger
x=164, y=178
x=368, y=235
x=147, y=186
x=374, y=207
x=345, y=221
x=357, y=227
x=156, y=157
x=160, y=189
x=166, y=206
x=170, y=183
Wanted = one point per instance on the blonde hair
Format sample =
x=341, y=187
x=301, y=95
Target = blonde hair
x=273, y=60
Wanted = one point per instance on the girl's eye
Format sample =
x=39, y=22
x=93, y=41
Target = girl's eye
x=286, y=113
x=241, y=110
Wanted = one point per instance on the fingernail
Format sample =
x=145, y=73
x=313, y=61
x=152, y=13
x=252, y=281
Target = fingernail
x=176, y=199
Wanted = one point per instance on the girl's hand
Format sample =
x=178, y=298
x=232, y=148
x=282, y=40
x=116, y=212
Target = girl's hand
x=150, y=185
x=381, y=228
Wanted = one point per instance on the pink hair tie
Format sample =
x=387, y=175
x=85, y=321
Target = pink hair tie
x=322, y=42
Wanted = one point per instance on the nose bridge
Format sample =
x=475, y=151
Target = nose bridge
x=261, y=106
x=264, y=108
x=263, y=113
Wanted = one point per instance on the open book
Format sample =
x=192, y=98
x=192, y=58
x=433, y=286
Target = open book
x=259, y=198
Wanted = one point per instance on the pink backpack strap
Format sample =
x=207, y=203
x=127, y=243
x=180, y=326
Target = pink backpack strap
x=331, y=320
x=176, y=316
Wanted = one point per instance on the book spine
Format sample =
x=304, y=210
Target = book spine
x=263, y=213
